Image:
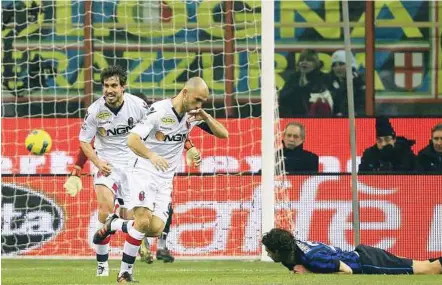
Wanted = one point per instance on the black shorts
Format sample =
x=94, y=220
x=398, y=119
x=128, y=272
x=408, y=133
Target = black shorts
x=378, y=261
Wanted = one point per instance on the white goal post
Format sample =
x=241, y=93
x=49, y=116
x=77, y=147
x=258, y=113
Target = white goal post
x=268, y=100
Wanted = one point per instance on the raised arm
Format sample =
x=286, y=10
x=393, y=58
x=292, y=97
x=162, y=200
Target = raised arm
x=216, y=127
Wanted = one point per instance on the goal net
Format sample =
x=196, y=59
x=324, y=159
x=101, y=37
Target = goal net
x=52, y=55
x=50, y=75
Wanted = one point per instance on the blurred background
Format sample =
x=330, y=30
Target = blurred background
x=53, y=51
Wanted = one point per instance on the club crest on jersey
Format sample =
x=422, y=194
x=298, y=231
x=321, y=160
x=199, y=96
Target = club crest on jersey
x=104, y=115
x=130, y=121
x=168, y=120
x=141, y=196
x=101, y=132
x=160, y=136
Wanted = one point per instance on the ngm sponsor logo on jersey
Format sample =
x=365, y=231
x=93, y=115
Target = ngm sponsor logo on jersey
x=28, y=219
x=115, y=131
x=170, y=138
x=119, y=130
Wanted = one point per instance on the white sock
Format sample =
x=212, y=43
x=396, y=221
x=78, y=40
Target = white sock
x=117, y=224
x=130, y=250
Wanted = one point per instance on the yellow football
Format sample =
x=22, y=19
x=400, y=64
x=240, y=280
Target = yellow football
x=38, y=142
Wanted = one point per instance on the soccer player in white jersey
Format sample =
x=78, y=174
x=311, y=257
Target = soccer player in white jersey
x=109, y=120
x=73, y=186
x=158, y=142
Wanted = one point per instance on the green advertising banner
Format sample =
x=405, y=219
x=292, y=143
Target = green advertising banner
x=162, y=43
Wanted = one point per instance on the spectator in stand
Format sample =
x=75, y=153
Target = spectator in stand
x=337, y=84
x=430, y=157
x=297, y=159
x=305, y=92
x=390, y=153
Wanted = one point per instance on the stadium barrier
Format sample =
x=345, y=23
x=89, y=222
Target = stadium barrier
x=219, y=216
x=240, y=153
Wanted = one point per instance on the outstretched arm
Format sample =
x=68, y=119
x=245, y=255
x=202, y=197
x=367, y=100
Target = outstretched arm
x=343, y=269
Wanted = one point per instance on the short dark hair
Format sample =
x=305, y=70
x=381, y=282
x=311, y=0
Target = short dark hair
x=436, y=128
x=279, y=240
x=114, y=70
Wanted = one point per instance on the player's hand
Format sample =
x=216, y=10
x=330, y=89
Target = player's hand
x=73, y=184
x=300, y=269
x=159, y=162
x=193, y=157
x=104, y=167
x=198, y=115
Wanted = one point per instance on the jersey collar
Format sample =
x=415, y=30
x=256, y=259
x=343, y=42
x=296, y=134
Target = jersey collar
x=115, y=110
x=176, y=113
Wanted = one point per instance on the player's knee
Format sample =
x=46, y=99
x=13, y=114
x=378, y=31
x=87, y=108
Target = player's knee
x=103, y=213
x=125, y=214
x=156, y=227
x=105, y=209
x=142, y=216
x=143, y=225
x=155, y=232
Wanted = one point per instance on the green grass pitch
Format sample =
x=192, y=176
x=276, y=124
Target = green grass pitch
x=66, y=272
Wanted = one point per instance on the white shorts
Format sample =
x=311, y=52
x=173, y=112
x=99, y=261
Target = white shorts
x=116, y=182
x=148, y=191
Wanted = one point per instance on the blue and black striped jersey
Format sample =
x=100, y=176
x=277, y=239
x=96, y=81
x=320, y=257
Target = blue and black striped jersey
x=322, y=258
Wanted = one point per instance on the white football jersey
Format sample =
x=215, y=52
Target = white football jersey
x=112, y=129
x=164, y=133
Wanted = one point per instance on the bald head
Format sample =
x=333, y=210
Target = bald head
x=195, y=93
x=197, y=84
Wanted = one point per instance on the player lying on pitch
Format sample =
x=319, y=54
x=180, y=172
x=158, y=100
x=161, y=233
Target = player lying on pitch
x=312, y=257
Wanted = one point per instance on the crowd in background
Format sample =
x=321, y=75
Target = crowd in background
x=309, y=92
x=391, y=153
